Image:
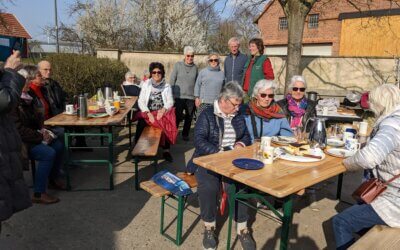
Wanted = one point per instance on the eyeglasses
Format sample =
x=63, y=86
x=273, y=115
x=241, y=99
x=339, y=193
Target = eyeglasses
x=156, y=72
x=263, y=95
x=299, y=89
x=190, y=56
x=213, y=60
x=234, y=105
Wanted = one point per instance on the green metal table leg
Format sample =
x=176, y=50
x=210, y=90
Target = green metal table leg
x=231, y=205
x=136, y=160
x=286, y=221
x=110, y=158
x=66, y=163
x=179, y=221
x=162, y=215
x=339, y=187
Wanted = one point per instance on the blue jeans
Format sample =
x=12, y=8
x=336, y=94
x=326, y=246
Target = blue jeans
x=50, y=161
x=352, y=220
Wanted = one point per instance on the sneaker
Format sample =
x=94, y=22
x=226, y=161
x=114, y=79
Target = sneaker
x=246, y=240
x=44, y=198
x=167, y=156
x=209, y=239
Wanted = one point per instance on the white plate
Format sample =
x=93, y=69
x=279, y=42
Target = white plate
x=283, y=140
x=289, y=157
x=340, y=152
x=335, y=142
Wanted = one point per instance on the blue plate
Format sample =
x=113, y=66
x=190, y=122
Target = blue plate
x=249, y=164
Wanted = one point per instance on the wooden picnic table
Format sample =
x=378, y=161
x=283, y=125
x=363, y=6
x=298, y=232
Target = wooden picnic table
x=108, y=122
x=282, y=179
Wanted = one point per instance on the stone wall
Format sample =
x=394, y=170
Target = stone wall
x=325, y=75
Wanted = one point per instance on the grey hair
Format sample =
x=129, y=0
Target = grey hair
x=213, y=54
x=234, y=40
x=129, y=74
x=31, y=71
x=297, y=78
x=263, y=84
x=188, y=50
x=231, y=90
x=384, y=99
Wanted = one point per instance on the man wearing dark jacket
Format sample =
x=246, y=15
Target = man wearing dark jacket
x=14, y=194
x=220, y=128
x=234, y=62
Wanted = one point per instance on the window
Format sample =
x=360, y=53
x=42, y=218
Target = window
x=313, y=21
x=283, y=24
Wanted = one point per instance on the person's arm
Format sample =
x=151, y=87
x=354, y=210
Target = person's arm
x=174, y=75
x=245, y=139
x=169, y=98
x=28, y=135
x=142, y=100
x=376, y=150
x=249, y=128
x=285, y=129
x=197, y=85
x=201, y=134
x=267, y=70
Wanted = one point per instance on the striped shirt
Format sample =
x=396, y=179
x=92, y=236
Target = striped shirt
x=229, y=136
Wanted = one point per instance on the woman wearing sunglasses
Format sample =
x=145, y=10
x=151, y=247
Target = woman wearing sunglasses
x=209, y=83
x=295, y=105
x=155, y=101
x=264, y=117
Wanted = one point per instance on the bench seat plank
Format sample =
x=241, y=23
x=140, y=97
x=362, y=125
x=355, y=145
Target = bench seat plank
x=148, y=142
x=379, y=237
x=157, y=191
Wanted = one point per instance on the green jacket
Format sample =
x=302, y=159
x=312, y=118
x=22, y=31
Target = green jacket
x=256, y=71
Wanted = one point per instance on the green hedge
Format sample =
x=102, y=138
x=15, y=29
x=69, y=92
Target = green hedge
x=83, y=73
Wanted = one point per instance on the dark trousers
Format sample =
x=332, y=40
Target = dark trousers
x=352, y=220
x=208, y=189
x=141, y=124
x=187, y=106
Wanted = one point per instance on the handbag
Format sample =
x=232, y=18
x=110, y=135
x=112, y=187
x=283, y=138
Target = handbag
x=369, y=190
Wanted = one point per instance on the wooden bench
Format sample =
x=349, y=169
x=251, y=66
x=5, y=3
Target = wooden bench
x=157, y=191
x=146, y=148
x=379, y=237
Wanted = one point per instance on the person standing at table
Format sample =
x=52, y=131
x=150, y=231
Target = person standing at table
x=234, y=62
x=298, y=109
x=257, y=67
x=182, y=80
x=220, y=128
x=209, y=83
x=382, y=155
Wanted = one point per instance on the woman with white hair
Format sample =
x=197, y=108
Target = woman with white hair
x=382, y=155
x=264, y=117
x=296, y=106
x=131, y=86
x=209, y=83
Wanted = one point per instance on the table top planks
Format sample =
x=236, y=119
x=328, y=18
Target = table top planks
x=73, y=120
x=280, y=179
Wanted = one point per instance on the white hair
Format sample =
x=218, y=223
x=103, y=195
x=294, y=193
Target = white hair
x=188, y=50
x=297, y=78
x=231, y=90
x=234, y=40
x=384, y=99
x=263, y=85
x=129, y=74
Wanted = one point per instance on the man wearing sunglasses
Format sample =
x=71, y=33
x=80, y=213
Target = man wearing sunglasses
x=182, y=80
x=296, y=106
x=234, y=62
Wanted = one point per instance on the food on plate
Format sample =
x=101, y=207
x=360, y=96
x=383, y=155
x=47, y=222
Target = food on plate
x=304, y=149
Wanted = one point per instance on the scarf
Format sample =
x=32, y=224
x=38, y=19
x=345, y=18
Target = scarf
x=159, y=86
x=270, y=112
x=296, y=110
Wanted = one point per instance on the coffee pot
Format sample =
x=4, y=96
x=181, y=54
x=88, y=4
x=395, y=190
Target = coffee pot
x=108, y=92
x=317, y=136
x=82, y=106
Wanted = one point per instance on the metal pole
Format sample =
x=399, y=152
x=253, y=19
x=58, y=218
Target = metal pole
x=56, y=20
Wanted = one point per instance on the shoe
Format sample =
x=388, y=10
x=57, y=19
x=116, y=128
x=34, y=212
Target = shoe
x=185, y=138
x=45, y=199
x=168, y=157
x=246, y=240
x=57, y=185
x=209, y=239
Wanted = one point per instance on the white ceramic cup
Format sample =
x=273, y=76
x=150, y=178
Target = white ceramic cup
x=268, y=155
x=325, y=110
x=69, y=109
x=347, y=135
x=266, y=141
x=352, y=144
x=363, y=128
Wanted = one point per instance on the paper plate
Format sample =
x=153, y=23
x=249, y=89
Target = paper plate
x=299, y=158
x=340, y=152
x=283, y=140
x=248, y=164
x=334, y=142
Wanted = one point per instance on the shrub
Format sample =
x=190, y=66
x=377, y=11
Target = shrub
x=83, y=73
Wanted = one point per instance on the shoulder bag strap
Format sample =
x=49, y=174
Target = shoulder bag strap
x=392, y=179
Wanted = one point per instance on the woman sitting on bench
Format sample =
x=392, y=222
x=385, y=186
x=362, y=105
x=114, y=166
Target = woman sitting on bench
x=155, y=102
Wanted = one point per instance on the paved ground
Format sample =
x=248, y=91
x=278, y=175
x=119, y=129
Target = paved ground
x=127, y=219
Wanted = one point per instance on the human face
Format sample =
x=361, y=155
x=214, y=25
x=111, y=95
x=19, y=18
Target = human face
x=230, y=106
x=213, y=61
x=234, y=48
x=189, y=58
x=38, y=80
x=156, y=75
x=298, y=94
x=131, y=79
x=264, y=98
x=253, y=49
x=45, y=69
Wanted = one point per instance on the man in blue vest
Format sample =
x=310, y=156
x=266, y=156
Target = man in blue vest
x=234, y=62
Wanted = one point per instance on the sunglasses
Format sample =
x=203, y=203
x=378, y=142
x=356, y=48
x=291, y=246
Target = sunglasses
x=190, y=56
x=265, y=95
x=156, y=72
x=299, y=89
x=213, y=60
